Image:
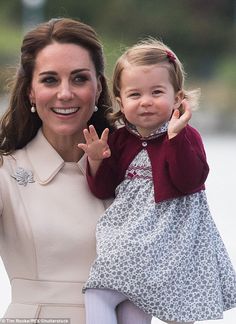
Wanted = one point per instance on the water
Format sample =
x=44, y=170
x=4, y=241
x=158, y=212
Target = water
x=221, y=152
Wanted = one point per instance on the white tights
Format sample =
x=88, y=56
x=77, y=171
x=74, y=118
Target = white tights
x=106, y=306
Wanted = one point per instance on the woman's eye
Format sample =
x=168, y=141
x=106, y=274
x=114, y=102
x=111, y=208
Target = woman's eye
x=80, y=78
x=49, y=80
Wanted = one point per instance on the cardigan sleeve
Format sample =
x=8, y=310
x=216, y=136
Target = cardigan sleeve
x=186, y=159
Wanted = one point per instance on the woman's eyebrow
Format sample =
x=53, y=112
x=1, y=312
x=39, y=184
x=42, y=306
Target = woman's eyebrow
x=55, y=73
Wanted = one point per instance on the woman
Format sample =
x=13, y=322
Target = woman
x=48, y=215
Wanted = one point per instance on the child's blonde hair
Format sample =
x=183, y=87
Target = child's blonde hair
x=151, y=51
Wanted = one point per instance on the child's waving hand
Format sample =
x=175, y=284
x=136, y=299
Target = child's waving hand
x=177, y=121
x=96, y=148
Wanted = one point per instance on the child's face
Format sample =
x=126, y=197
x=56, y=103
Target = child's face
x=147, y=97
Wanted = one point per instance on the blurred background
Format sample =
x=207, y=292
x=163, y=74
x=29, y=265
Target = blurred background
x=201, y=32
x=203, y=35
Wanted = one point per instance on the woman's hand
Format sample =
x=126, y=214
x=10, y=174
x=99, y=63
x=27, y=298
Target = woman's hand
x=96, y=148
x=177, y=121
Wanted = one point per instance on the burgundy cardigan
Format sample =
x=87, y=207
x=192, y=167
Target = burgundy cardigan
x=179, y=165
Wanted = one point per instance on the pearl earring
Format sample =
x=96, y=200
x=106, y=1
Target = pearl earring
x=95, y=109
x=33, y=109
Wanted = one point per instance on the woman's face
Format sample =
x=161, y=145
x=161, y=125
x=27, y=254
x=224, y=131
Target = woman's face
x=64, y=89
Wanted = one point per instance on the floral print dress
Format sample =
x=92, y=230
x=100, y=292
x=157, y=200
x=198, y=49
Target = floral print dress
x=168, y=258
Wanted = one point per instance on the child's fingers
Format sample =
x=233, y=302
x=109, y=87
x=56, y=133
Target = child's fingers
x=176, y=114
x=107, y=153
x=185, y=104
x=93, y=133
x=104, y=136
x=82, y=147
x=187, y=111
x=87, y=136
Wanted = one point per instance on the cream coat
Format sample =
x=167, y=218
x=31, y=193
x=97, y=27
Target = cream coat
x=47, y=232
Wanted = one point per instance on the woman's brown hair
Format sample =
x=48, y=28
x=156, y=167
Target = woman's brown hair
x=18, y=125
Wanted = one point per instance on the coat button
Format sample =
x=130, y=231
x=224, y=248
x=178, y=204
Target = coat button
x=144, y=144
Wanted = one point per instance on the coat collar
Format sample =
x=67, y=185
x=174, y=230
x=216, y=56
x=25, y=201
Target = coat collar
x=45, y=160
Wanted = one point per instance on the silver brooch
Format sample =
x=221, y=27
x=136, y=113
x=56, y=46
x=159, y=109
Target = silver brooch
x=23, y=177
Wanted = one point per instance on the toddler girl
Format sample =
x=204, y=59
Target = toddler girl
x=157, y=244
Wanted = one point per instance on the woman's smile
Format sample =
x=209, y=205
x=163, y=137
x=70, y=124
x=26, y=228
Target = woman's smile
x=66, y=111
